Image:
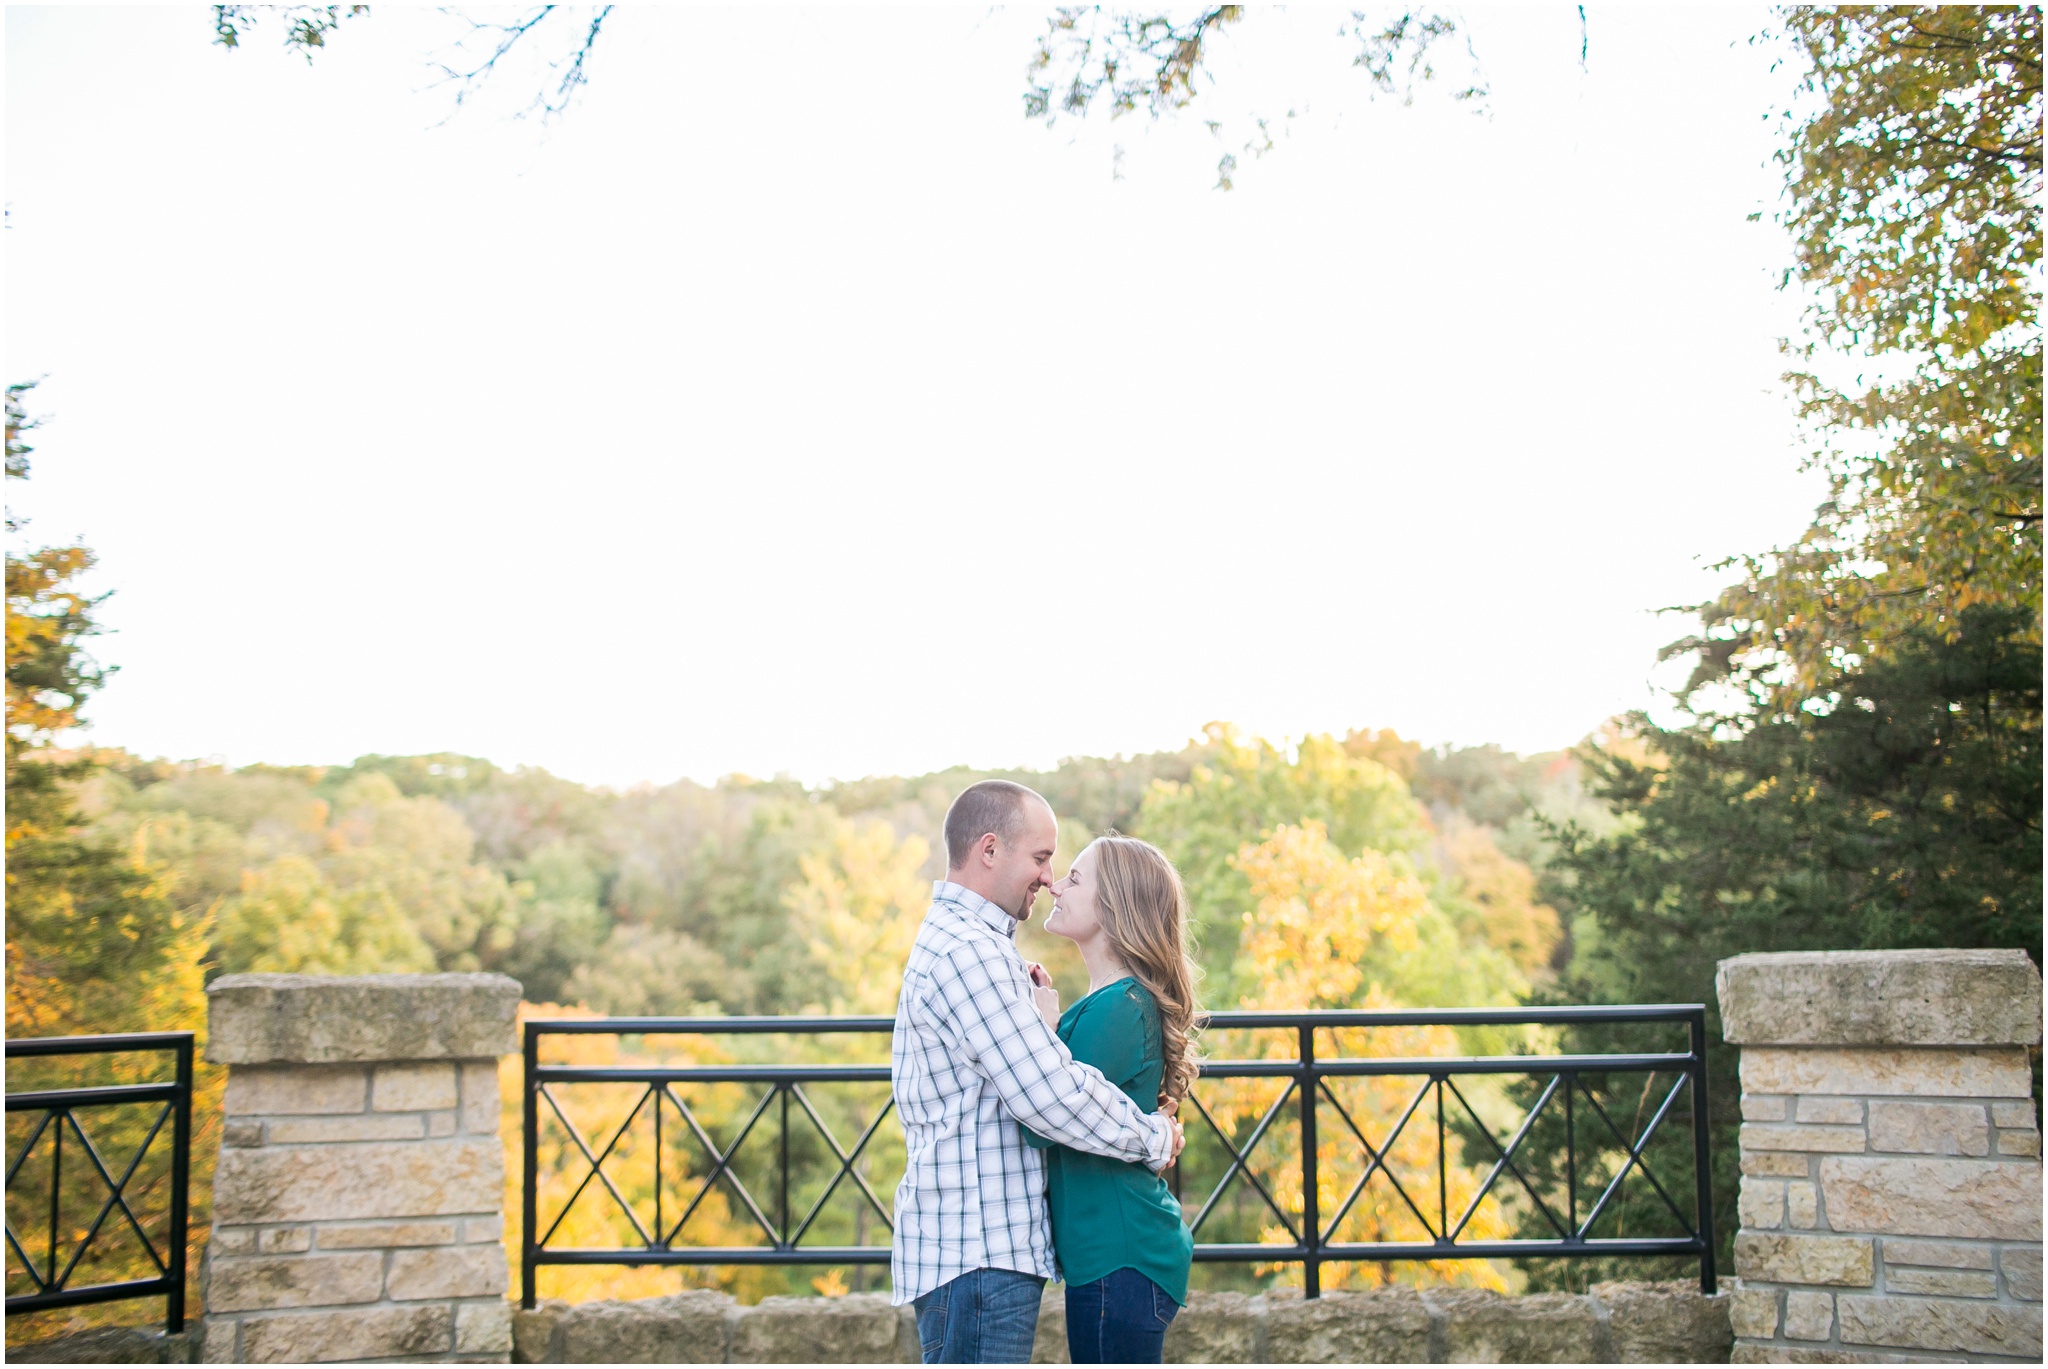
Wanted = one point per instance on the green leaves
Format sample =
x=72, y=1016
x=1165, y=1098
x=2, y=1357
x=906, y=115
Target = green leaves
x=1240, y=792
x=1913, y=188
x=1906, y=812
x=1914, y=207
x=1903, y=808
x=305, y=26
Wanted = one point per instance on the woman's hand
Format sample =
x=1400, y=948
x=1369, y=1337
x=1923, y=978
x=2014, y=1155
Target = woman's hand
x=1047, y=1000
x=1044, y=996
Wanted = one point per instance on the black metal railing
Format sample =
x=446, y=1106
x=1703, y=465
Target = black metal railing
x=51, y=1283
x=1296, y=1231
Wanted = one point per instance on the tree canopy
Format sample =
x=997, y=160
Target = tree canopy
x=1861, y=762
x=1913, y=182
x=1090, y=59
x=94, y=940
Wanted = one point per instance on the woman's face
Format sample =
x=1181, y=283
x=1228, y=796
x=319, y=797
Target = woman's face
x=1075, y=913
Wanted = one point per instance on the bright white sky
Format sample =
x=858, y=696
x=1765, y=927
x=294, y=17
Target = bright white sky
x=796, y=406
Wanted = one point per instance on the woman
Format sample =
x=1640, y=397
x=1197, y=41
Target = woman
x=1117, y=1230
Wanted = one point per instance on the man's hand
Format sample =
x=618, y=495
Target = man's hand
x=1179, y=1136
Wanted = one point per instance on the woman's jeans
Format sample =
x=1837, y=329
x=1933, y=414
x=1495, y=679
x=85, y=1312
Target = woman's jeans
x=1121, y=1318
x=986, y=1316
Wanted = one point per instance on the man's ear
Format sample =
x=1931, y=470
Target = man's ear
x=987, y=848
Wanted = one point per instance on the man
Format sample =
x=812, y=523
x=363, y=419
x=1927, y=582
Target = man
x=971, y=1059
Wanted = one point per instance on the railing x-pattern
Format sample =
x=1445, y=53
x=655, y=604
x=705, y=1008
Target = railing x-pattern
x=660, y=1126
x=36, y=1245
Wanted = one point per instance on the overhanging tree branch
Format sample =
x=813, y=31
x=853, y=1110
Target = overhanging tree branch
x=469, y=72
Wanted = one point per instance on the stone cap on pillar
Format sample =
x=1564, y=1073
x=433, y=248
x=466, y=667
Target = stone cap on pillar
x=1880, y=998
x=320, y=1019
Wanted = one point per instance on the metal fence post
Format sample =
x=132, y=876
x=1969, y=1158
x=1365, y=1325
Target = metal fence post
x=1571, y=1161
x=530, y=1165
x=1702, y=1167
x=1443, y=1160
x=181, y=1175
x=1311, y=1217
x=56, y=1188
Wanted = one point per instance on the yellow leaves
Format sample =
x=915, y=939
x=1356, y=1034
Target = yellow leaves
x=1503, y=890
x=103, y=950
x=720, y=1217
x=47, y=676
x=1375, y=1103
x=598, y=1111
x=94, y=945
x=1319, y=916
x=859, y=903
x=1328, y=930
x=1386, y=747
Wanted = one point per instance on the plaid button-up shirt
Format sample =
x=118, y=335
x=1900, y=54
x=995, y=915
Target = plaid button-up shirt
x=972, y=1058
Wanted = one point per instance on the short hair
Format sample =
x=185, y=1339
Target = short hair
x=991, y=806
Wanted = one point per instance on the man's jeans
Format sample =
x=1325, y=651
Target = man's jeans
x=986, y=1316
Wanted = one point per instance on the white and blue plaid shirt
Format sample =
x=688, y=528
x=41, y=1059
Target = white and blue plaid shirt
x=971, y=1058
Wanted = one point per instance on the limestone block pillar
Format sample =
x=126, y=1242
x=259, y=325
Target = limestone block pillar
x=1891, y=1171
x=358, y=1204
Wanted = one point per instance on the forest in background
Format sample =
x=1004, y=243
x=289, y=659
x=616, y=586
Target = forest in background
x=745, y=896
x=1356, y=871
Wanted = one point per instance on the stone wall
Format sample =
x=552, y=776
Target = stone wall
x=111, y=1345
x=1890, y=1202
x=1627, y=1323
x=1891, y=1172
x=358, y=1204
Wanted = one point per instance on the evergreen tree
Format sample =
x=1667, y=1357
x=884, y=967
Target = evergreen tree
x=94, y=942
x=1906, y=814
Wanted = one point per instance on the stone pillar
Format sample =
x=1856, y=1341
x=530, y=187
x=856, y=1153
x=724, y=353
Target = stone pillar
x=1891, y=1172
x=358, y=1206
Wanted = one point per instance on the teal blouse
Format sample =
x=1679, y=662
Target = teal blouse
x=1114, y=1214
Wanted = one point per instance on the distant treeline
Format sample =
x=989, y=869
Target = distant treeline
x=695, y=898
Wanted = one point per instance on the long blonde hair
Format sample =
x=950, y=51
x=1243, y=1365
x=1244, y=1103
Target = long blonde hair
x=1144, y=913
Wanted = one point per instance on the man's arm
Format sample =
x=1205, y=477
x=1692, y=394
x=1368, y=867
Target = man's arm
x=1102, y=1038
x=987, y=1005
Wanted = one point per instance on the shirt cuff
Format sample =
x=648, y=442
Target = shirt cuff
x=1160, y=1153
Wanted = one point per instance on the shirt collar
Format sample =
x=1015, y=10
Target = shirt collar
x=975, y=906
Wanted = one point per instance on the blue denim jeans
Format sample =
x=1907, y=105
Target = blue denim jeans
x=1121, y=1318
x=986, y=1316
